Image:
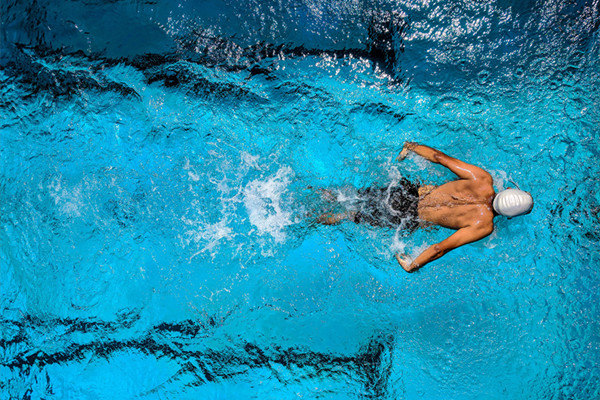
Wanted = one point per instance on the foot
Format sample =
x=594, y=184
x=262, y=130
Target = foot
x=328, y=195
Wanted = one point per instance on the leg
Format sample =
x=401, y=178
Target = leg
x=332, y=219
x=327, y=194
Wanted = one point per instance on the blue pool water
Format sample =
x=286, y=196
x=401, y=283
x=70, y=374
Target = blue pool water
x=159, y=166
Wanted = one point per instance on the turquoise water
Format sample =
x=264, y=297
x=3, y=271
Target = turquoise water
x=158, y=171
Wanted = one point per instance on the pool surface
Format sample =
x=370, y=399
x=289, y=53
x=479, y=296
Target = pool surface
x=160, y=167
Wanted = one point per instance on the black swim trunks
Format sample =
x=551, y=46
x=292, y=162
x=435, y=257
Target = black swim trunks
x=391, y=207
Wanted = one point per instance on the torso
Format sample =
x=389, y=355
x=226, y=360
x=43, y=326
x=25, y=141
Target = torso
x=457, y=204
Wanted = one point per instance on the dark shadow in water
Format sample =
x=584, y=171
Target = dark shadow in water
x=372, y=365
x=29, y=65
x=386, y=31
x=29, y=72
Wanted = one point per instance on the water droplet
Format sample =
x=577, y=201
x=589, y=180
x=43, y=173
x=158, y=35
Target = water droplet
x=483, y=77
x=519, y=72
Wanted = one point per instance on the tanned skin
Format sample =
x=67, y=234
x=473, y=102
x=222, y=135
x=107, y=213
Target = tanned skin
x=464, y=205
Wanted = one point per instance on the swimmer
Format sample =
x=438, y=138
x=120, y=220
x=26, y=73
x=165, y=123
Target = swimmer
x=467, y=205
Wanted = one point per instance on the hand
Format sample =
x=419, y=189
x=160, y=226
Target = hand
x=408, y=146
x=404, y=261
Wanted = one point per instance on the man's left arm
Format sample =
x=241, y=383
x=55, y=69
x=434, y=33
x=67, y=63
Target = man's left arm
x=460, y=237
x=460, y=168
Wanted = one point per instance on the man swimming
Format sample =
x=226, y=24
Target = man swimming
x=467, y=205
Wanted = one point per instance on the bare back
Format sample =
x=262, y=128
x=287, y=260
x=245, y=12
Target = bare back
x=464, y=205
x=459, y=204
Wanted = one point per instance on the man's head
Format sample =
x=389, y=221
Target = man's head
x=513, y=202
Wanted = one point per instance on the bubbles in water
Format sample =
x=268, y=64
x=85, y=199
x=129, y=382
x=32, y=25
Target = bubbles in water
x=398, y=245
x=266, y=203
x=68, y=201
x=499, y=178
x=575, y=108
x=211, y=234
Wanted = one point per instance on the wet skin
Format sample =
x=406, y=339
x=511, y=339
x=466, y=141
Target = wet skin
x=464, y=205
x=457, y=204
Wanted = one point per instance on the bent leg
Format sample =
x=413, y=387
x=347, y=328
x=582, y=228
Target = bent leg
x=333, y=219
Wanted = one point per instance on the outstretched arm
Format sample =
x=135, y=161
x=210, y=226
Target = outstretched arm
x=457, y=239
x=460, y=168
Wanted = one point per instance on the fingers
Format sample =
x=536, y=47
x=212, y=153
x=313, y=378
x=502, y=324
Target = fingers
x=402, y=154
x=402, y=260
x=408, y=146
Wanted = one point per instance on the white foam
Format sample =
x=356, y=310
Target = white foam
x=346, y=195
x=401, y=247
x=491, y=241
x=394, y=174
x=264, y=204
x=420, y=161
x=69, y=202
x=500, y=178
x=416, y=251
x=250, y=160
x=211, y=235
x=398, y=246
x=192, y=174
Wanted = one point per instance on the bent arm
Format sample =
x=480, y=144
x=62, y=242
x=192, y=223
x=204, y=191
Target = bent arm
x=460, y=168
x=460, y=237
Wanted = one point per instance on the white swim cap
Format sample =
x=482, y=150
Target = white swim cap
x=513, y=202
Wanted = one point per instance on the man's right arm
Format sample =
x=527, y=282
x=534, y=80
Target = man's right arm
x=460, y=168
x=459, y=238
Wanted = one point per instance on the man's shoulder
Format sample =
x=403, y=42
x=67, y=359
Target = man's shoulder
x=483, y=184
x=485, y=223
x=482, y=176
x=480, y=188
